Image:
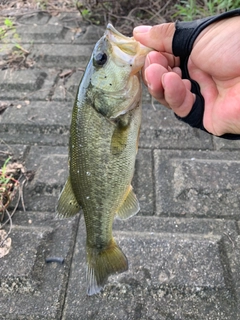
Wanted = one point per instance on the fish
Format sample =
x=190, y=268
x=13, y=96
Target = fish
x=103, y=144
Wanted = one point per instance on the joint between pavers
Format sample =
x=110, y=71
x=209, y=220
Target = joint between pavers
x=228, y=276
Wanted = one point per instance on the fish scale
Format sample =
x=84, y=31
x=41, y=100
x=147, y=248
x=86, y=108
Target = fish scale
x=105, y=183
x=103, y=143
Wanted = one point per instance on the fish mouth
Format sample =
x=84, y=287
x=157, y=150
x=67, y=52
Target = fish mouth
x=127, y=49
x=126, y=44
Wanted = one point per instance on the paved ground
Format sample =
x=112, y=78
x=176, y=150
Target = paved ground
x=183, y=247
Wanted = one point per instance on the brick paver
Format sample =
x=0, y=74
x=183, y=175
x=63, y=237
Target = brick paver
x=183, y=247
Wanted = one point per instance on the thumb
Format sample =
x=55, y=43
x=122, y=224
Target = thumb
x=158, y=37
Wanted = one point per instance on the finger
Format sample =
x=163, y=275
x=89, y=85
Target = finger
x=165, y=59
x=157, y=57
x=172, y=60
x=178, y=71
x=177, y=93
x=153, y=75
x=154, y=57
x=158, y=37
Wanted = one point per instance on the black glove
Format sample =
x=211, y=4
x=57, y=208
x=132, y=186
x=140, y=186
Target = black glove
x=184, y=37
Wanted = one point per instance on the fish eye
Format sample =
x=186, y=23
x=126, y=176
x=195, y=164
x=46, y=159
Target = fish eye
x=100, y=59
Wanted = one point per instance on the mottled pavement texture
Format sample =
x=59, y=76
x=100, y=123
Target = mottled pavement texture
x=184, y=245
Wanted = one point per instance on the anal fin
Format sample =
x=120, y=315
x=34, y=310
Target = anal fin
x=67, y=205
x=130, y=205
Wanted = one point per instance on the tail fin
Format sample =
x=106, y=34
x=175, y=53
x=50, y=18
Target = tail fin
x=101, y=264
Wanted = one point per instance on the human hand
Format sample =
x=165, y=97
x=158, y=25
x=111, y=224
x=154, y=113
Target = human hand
x=213, y=63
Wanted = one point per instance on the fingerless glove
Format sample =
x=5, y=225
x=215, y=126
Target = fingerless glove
x=183, y=40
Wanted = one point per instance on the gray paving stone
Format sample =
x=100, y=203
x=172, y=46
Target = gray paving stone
x=206, y=227
x=177, y=261
x=51, y=171
x=30, y=288
x=88, y=32
x=36, y=122
x=70, y=19
x=66, y=28
x=195, y=183
x=26, y=84
x=36, y=155
x=67, y=87
x=143, y=182
x=160, y=129
x=16, y=152
x=8, y=47
x=183, y=246
x=39, y=18
x=21, y=269
x=35, y=138
x=50, y=114
x=234, y=264
x=45, y=34
x=224, y=144
x=61, y=55
x=171, y=276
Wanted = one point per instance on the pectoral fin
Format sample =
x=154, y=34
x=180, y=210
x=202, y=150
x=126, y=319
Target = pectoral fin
x=67, y=205
x=120, y=135
x=130, y=206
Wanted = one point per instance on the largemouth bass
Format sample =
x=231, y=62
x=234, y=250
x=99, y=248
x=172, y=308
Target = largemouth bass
x=103, y=145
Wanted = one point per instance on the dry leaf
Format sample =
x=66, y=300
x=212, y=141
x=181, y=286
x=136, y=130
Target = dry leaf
x=5, y=248
x=66, y=73
x=3, y=106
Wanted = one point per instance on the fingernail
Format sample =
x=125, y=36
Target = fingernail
x=163, y=80
x=147, y=62
x=142, y=29
x=147, y=81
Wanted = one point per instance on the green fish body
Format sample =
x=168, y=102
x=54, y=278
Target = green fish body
x=103, y=143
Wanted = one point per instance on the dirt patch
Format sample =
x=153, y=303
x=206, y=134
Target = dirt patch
x=124, y=15
x=18, y=7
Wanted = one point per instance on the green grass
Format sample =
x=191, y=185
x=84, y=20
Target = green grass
x=4, y=186
x=125, y=14
x=4, y=179
x=194, y=9
x=7, y=26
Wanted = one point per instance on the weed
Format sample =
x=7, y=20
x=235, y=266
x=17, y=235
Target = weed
x=8, y=31
x=194, y=9
x=12, y=179
x=4, y=179
x=87, y=14
x=15, y=55
x=6, y=27
x=6, y=187
x=41, y=4
x=124, y=15
x=8, y=23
